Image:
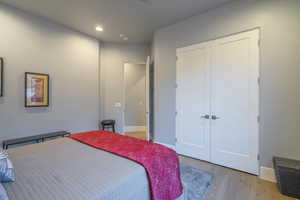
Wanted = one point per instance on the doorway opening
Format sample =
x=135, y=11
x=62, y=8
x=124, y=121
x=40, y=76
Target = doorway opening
x=135, y=114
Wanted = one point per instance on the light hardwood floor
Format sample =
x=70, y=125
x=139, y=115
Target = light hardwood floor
x=137, y=134
x=230, y=184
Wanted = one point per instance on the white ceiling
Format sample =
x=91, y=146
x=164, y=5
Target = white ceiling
x=137, y=19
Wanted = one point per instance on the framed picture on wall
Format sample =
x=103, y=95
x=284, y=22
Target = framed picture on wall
x=36, y=90
x=1, y=76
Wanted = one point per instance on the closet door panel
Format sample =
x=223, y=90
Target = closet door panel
x=234, y=127
x=192, y=128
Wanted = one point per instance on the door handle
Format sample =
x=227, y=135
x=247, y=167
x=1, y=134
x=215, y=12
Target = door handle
x=214, y=117
x=205, y=117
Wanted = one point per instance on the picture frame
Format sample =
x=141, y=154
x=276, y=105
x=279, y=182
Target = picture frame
x=36, y=90
x=1, y=76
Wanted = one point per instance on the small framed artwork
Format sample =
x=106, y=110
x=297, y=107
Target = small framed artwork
x=1, y=77
x=36, y=90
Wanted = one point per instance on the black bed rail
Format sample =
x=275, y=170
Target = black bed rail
x=34, y=138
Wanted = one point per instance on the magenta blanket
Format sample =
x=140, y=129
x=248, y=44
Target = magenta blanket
x=161, y=163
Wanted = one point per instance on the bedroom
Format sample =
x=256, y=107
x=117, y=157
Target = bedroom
x=85, y=69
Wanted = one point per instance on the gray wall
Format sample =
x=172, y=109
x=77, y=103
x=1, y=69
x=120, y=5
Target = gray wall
x=279, y=68
x=113, y=58
x=135, y=94
x=32, y=44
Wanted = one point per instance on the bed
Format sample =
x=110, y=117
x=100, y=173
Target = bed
x=65, y=169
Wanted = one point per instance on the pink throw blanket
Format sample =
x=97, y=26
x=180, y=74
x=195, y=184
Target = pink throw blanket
x=161, y=163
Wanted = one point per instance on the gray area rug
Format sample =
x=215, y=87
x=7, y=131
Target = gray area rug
x=195, y=181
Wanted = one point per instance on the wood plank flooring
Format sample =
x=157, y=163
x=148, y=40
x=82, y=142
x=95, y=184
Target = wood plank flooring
x=137, y=134
x=230, y=184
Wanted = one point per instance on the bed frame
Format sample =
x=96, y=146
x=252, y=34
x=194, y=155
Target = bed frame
x=34, y=138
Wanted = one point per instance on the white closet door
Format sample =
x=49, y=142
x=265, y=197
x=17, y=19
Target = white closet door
x=234, y=134
x=192, y=129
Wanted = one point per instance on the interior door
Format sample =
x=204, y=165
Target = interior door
x=192, y=121
x=234, y=103
x=148, y=98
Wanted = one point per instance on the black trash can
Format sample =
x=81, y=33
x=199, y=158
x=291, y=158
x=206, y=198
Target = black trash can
x=288, y=176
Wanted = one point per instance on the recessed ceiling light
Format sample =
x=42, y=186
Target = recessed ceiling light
x=99, y=28
x=125, y=38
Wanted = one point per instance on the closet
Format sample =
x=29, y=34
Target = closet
x=217, y=101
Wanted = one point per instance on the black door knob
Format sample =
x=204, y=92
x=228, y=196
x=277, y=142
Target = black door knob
x=205, y=116
x=214, y=117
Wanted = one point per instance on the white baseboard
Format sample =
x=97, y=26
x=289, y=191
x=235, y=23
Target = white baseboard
x=134, y=128
x=267, y=174
x=167, y=145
